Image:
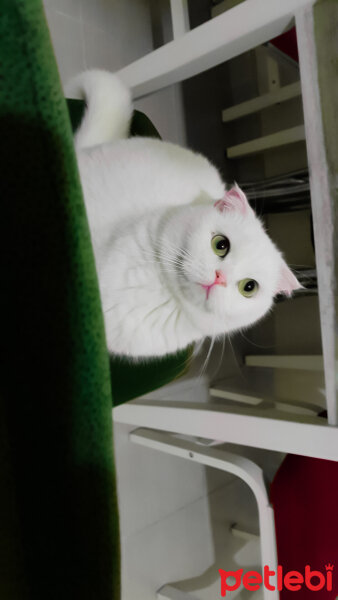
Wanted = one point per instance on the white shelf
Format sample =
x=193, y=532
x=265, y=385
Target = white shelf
x=260, y=102
x=267, y=142
x=245, y=396
x=240, y=29
x=287, y=361
x=266, y=428
x=240, y=416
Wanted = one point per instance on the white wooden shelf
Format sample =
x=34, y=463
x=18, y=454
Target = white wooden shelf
x=240, y=416
x=266, y=428
x=240, y=29
x=304, y=362
x=246, y=396
x=261, y=102
x=267, y=142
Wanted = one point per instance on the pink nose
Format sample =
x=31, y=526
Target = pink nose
x=220, y=279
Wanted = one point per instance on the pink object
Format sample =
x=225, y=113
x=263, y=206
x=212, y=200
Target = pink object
x=219, y=280
x=234, y=199
x=287, y=282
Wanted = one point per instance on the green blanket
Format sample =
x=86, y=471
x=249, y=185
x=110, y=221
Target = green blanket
x=58, y=510
x=58, y=513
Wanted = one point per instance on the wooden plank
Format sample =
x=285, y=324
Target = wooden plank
x=287, y=361
x=268, y=142
x=179, y=17
x=236, y=396
x=317, y=36
x=272, y=430
x=254, y=398
x=240, y=29
x=256, y=104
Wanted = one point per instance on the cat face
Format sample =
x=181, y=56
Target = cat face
x=229, y=269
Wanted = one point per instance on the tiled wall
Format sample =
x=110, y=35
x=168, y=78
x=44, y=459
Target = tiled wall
x=95, y=33
x=110, y=34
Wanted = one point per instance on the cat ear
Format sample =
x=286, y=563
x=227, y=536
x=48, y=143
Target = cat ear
x=287, y=282
x=234, y=199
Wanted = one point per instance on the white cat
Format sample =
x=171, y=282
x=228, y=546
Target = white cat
x=178, y=257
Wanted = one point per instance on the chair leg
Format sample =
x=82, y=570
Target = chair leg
x=229, y=462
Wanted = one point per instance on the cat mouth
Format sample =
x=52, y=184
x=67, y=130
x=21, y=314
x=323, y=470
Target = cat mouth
x=220, y=279
x=207, y=288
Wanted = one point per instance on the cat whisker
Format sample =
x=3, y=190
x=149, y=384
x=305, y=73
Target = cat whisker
x=205, y=364
x=239, y=366
x=254, y=343
x=177, y=261
x=220, y=360
x=155, y=309
x=176, y=309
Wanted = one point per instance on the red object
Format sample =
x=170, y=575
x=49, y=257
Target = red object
x=304, y=495
x=287, y=43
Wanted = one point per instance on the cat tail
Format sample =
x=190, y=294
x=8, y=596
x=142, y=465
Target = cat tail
x=109, y=107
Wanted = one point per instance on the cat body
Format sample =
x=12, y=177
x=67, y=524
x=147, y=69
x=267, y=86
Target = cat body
x=172, y=246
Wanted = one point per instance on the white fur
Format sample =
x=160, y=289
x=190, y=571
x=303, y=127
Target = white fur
x=151, y=212
x=109, y=107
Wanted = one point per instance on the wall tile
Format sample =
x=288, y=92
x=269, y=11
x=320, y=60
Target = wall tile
x=177, y=547
x=152, y=484
x=120, y=17
x=99, y=50
x=71, y=8
x=67, y=39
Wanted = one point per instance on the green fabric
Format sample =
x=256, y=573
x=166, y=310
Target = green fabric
x=142, y=126
x=58, y=513
x=129, y=381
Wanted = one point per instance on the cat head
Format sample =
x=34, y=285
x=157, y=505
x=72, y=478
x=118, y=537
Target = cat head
x=230, y=270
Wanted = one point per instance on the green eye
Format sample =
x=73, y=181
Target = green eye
x=220, y=245
x=248, y=287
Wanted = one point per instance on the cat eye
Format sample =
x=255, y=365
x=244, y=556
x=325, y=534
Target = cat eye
x=220, y=245
x=248, y=287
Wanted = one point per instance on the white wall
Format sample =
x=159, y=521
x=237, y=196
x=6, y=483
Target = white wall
x=110, y=34
x=94, y=33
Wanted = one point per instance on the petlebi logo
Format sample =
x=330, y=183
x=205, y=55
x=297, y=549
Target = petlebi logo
x=280, y=580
